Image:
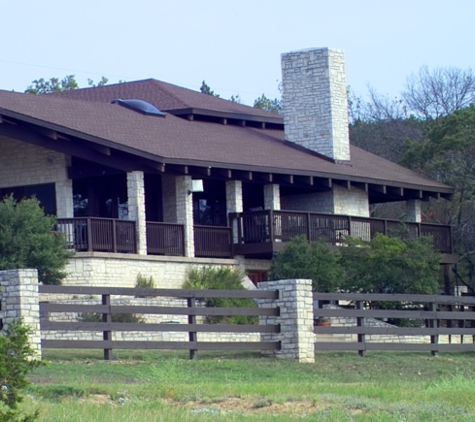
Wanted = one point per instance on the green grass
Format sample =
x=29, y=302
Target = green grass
x=165, y=386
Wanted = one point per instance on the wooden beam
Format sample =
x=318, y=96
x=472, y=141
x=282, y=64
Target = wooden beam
x=379, y=188
x=267, y=177
x=398, y=191
x=359, y=185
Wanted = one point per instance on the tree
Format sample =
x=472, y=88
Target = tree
x=206, y=89
x=431, y=94
x=448, y=155
x=42, y=86
x=391, y=265
x=264, y=103
x=28, y=240
x=16, y=361
x=310, y=260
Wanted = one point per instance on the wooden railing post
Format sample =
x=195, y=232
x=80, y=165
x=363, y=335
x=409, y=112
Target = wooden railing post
x=191, y=302
x=433, y=323
x=107, y=317
x=309, y=232
x=89, y=234
x=271, y=226
x=114, y=235
x=360, y=322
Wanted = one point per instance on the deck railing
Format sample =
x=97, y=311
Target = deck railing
x=165, y=239
x=281, y=226
x=99, y=234
x=213, y=242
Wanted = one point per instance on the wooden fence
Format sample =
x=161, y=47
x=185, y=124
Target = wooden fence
x=106, y=309
x=450, y=317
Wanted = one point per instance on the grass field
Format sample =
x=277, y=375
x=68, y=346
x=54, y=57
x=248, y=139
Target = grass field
x=159, y=386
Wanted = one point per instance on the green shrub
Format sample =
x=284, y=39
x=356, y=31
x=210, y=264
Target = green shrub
x=221, y=278
x=309, y=260
x=28, y=240
x=144, y=282
x=97, y=317
x=16, y=361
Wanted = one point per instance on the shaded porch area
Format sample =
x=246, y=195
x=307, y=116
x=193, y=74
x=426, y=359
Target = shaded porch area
x=253, y=234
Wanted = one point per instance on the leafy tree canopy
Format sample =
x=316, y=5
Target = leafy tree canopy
x=384, y=265
x=309, y=260
x=28, y=240
x=391, y=265
x=42, y=86
x=206, y=89
x=264, y=103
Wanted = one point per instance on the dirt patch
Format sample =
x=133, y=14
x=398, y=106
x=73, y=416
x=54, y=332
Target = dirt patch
x=257, y=406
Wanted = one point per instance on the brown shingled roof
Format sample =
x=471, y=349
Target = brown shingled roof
x=168, y=97
x=175, y=140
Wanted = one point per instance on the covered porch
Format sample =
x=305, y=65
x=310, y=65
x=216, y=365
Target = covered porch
x=253, y=234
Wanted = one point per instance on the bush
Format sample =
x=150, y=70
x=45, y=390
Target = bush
x=143, y=282
x=97, y=317
x=391, y=265
x=309, y=260
x=16, y=361
x=28, y=240
x=224, y=278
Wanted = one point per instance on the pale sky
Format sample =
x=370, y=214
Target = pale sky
x=234, y=45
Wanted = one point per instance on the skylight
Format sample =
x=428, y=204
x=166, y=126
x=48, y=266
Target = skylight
x=140, y=106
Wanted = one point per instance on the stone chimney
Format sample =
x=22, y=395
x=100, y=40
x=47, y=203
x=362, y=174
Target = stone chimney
x=315, y=101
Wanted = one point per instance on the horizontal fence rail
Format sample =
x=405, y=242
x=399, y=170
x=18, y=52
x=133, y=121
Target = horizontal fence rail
x=282, y=226
x=192, y=309
x=360, y=316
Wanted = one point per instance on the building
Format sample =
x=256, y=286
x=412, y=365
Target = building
x=150, y=177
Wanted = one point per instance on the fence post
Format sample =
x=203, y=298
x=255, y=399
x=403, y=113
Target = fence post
x=360, y=323
x=191, y=302
x=107, y=317
x=433, y=323
x=20, y=299
x=295, y=319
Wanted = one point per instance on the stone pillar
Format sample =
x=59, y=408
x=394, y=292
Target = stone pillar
x=315, y=101
x=413, y=211
x=272, y=197
x=234, y=203
x=296, y=318
x=64, y=199
x=20, y=299
x=136, y=208
x=178, y=206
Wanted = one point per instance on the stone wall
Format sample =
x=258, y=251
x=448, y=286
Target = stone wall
x=38, y=165
x=19, y=299
x=121, y=270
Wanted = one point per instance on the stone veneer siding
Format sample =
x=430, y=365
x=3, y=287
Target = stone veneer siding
x=178, y=206
x=136, y=208
x=20, y=300
x=339, y=200
x=38, y=166
x=295, y=319
x=272, y=197
x=315, y=101
x=234, y=203
x=120, y=270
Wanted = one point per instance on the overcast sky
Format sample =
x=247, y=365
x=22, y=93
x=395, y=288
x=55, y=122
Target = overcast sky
x=234, y=45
